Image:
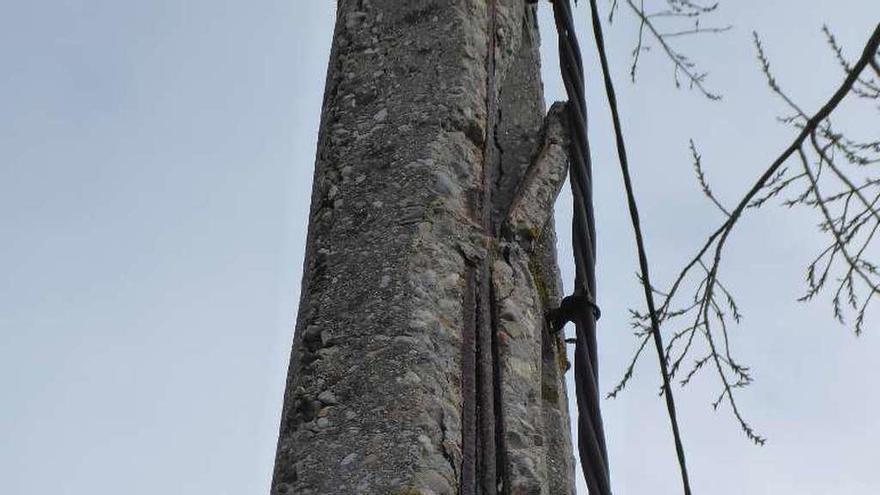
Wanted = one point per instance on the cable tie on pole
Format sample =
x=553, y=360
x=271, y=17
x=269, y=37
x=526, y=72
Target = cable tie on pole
x=573, y=308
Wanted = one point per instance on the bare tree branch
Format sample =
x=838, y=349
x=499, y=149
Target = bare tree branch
x=683, y=67
x=849, y=216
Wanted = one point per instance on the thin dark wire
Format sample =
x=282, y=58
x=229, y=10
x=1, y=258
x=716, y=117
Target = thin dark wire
x=643, y=256
x=591, y=435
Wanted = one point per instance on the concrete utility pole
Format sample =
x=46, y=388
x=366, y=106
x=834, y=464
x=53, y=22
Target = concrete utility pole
x=422, y=361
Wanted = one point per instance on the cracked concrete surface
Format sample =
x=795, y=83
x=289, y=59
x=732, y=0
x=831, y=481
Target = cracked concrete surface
x=374, y=400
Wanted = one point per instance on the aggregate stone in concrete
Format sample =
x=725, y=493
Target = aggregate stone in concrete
x=374, y=397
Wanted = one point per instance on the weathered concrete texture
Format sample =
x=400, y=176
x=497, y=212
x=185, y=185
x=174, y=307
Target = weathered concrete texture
x=528, y=214
x=532, y=362
x=374, y=392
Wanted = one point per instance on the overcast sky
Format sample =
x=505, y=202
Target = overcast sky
x=155, y=168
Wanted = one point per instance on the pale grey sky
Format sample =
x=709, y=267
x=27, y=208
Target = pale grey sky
x=155, y=168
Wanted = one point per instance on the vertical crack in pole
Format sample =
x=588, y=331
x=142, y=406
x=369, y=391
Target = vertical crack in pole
x=498, y=432
x=486, y=478
x=479, y=377
x=468, y=383
x=486, y=359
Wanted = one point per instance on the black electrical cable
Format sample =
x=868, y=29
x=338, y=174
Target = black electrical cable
x=591, y=435
x=640, y=243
